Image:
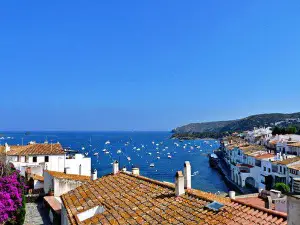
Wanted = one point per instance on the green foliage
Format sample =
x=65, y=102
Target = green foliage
x=282, y=187
x=282, y=130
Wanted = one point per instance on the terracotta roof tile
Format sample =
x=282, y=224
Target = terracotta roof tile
x=130, y=199
x=36, y=149
x=61, y=175
x=297, y=144
x=265, y=156
x=37, y=177
x=288, y=161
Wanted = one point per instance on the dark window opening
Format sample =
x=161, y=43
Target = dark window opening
x=46, y=158
x=34, y=159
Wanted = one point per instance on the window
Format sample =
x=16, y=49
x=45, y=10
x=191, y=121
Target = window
x=46, y=158
x=265, y=168
x=34, y=159
x=283, y=170
x=280, y=169
x=269, y=170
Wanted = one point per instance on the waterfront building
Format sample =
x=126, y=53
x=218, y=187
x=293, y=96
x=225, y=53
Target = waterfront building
x=294, y=173
x=274, y=170
x=294, y=148
x=245, y=164
x=129, y=198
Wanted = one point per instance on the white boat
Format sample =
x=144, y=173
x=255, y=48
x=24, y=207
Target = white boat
x=169, y=156
x=128, y=158
x=138, y=149
x=107, y=152
x=158, y=157
x=119, y=151
x=96, y=153
x=107, y=142
x=83, y=148
x=104, y=150
x=86, y=153
x=152, y=165
x=153, y=142
x=157, y=144
x=149, y=153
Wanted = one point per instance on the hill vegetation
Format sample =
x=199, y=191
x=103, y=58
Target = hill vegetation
x=283, y=122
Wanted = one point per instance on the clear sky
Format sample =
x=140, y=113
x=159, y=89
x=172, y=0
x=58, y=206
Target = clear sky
x=145, y=65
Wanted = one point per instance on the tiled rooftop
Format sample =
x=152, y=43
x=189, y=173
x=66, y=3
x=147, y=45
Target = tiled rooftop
x=130, y=199
x=288, y=161
x=296, y=144
x=36, y=149
x=61, y=175
x=248, y=149
x=256, y=201
x=265, y=156
x=294, y=166
x=37, y=177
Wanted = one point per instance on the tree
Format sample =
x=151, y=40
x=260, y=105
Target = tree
x=282, y=187
x=276, y=130
x=291, y=130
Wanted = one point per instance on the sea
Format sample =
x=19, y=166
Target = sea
x=135, y=149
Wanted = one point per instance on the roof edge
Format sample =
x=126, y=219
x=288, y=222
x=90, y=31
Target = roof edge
x=270, y=211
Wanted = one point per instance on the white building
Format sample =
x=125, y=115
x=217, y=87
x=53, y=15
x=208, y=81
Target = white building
x=37, y=157
x=259, y=135
x=60, y=183
x=33, y=159
x=78, y=164
x=245, y=164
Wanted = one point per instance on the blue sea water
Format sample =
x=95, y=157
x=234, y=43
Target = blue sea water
x=140, y=148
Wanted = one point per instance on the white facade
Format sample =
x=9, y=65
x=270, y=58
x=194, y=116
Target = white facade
x=59, y=185
x=78, y=165
x=259, y=135
x=38, y=163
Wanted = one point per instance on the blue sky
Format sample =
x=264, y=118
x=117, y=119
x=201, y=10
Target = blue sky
x=145, y=65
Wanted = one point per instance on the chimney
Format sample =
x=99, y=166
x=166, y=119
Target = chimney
x=232, y=194
x=7, y=148
x=124, y=169
x=293, y=204
x=179, y=183
x=187, y=175
x=268, y=203
x=115, y=167
x=94, y=175
x=293, y=208
x=135, y=170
